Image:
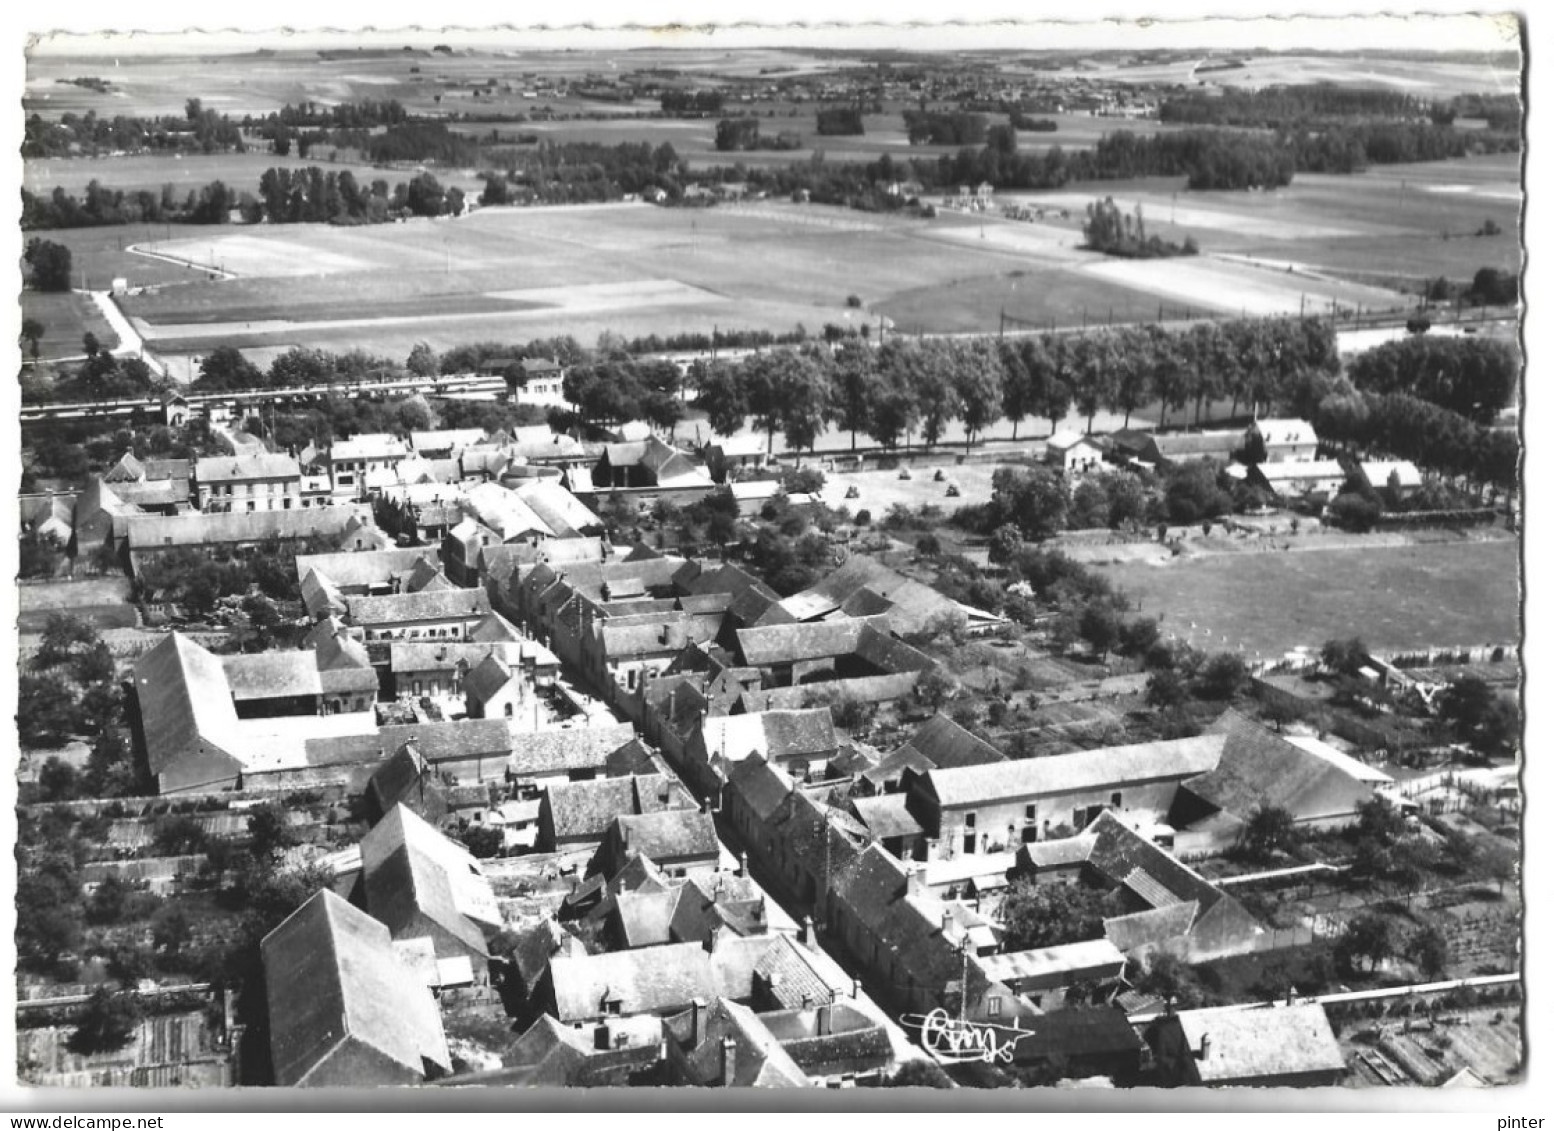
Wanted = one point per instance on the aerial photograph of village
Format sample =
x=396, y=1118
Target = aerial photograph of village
x=769, y=563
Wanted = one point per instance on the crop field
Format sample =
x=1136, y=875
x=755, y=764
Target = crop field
x=66, y=318
x=1451, y=594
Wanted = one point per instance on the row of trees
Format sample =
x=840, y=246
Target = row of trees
x=1435, y=438
x=286, y=196
x=198, y=131
x=1475, y=377
x=582, y=172
x=742, y=134
x=100, y=205
x=907, y=386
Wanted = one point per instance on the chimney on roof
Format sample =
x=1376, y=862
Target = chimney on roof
x=729, y=1062
x=914, y=878
x=698, y=1021
x=823, y=1021
x=1203, y=1048
x=713, y=932
x=744, y=865
x=807, y=931
x=946, y=923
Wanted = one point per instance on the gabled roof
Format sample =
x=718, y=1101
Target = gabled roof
x=561, y=510
x=495, y=629
x=947, y=745
x=760, y=784
x=913, y=604
x=643, y=918
x=488, y=679
x=791, y=643
x=886, y=816
x=196, y=528
x=333, y=976
x=252, y=465
x=431, y=605
x=587, y=808
x=506, y=512
x=1286, y=430
x=410, y=870
x=670, y=466
x=272, y=675
x=1260, y=1044
x=1086, y=769
x=185, y=703
x=1378, y=473
x=1078, y=1032
x=403, y=774
x=804, y=733
x=1258, y=767
x=731, y=1029
x=420, y=656
x=658, y=979
x=559, y=751
x=368, y=445
x=669, y=834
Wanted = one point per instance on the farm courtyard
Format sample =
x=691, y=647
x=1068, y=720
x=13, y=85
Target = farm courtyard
x=1453, y=594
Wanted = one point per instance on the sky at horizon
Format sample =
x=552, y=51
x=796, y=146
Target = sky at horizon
x=1414, y=33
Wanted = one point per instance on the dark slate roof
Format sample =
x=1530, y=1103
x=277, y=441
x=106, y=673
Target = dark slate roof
x=399, y=776
x=1098, y=1031
x=871, y=882
x=635, y=757
x=759, y=784
x=332, y=973
x=488, y=679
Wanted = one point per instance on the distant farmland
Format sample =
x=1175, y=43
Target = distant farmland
x=487, y=275
x=1454, y=594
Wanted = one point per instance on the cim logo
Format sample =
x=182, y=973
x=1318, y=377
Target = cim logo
x=952, y=1040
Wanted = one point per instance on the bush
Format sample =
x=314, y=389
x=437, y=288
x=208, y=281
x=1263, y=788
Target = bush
x=854, y=301
x=863, y=518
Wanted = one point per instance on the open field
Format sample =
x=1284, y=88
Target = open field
x=67, y=317
x=1447, y=594
x=240, y=171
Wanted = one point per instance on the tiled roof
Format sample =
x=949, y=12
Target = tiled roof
x=1260, y=1044
x=947, y=745
x=488, y=679
x=1260, y=768
x=272, y=675
x=586, y=808
x=655, y=980
x=418, y=656
x=643, y=918
x=411, y=872
x=790, y=643
x=1086, y=769
x=185, y=703
x=437, y=605
x=257, y=465
x=886, y=816
x=670, y=835
x=1079, y=1032
x=333, y=975
x=559, y=751
x=758, y=1058
x=761, y=785
x=787, y=968
x=153, y=532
